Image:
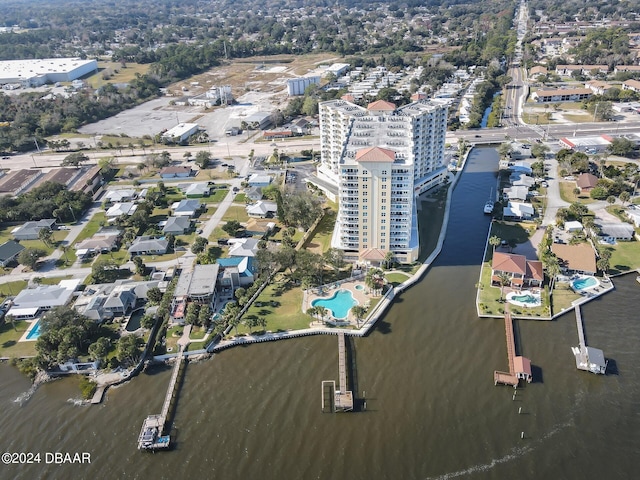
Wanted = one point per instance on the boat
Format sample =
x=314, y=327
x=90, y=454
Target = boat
x=488, y=207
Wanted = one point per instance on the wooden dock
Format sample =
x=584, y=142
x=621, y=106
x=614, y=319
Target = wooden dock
x=519, y=367
x=338, y=399
x=153, y=434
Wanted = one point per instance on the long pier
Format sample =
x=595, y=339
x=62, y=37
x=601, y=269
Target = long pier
x=587, y=358
x=153, y=434
x=519, y=367
x=338, y=399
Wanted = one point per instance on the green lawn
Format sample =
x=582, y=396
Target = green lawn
x=124, y=75
x=9, y=344
x=512, y=232
x=217, y=233
x=197, y=333
x=566, y=193
x=320, y=240
x=92, y=227
x=173, y=335
x=54, y=280
x=218, y=195
x=396, y=279
x=12, y=288
x=430, y=218
x=625, y=256
x=236, y=212
x=240, y=198
x=562, y=297
x=287, y=315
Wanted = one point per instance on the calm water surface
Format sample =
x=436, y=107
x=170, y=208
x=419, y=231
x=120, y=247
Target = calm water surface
x=432, y=408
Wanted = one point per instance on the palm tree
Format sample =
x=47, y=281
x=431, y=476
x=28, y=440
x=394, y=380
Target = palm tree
x=504, y=281
x=388, y=258
x=625, y=197
x=11, y=319
x=494, y=241
x=552, y=266
x=603, y=264
x=46, y=236
x=322, y=312
x=359, y=313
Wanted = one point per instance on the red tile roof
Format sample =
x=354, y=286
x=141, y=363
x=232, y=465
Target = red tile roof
x=509, y=263
x=587, y=180
x=375, y=154
x=381, y=105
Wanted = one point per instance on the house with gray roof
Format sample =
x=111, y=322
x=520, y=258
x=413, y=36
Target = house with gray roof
x=195, y=190
x=262, y=209
x=186, y=208
x=117, y=196
x=124, y=208
x=177, y=225
x=254, y=193
x=121, y=300
x=612, y=232
x=147, y=245
x=243, y=247
x=8, y=251
x=198, y=286
x=31, y=230
x=31, y=302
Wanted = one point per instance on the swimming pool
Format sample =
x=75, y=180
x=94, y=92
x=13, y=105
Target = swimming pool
x=524, y=299
x=584, y=283
x=359, y=287
x=34, y=332
x=339, y=305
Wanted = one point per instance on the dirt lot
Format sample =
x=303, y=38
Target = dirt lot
x=258, y=84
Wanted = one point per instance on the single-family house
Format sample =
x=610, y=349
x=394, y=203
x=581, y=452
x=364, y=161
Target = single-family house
x=537, y=71
x=176, y=171
x=104, y=301
x=195, y=190
x=612, y=232
x=520, y=210
x=147, y=245
x=118, y=196
x=586, y=182
x=120, y=301
x=521, y=271
x=243, y=247
x=262, y=209
x=31, y=302
x=300, y=126
x=258, y=180
x=236, y=272
x=521, y=180
x=177, y=225
x=31, y=230
x=103, y=241
x=8, y=251
x=186, y=208
x=197, y=286
x=118, y=209
x=521, y=166
x=260, y=227
x=519, y=192
x=253, y=193
x=578, y=258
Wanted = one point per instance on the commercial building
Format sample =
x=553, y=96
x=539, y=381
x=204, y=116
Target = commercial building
x=180, y=133
x=297, y=86
x=33, y=73
x=381, y=158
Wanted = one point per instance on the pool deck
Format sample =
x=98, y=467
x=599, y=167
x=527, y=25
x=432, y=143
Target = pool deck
x=24, y=336
x=327, y=291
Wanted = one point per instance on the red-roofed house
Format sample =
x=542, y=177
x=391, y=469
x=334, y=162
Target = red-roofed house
x=586, y=182
x=523, y=272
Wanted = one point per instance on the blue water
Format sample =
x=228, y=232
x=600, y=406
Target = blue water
x=585, y=282
x=359, y=287
x=339, y=304
x=525, y=298
x=35, y=331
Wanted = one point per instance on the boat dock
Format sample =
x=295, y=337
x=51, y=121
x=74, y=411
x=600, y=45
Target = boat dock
x=340, y=399
x=153, y=435
x=589, y=359
x=519, y=367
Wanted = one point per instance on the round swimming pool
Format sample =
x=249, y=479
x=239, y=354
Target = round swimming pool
x=359, y=287
x=584, y=283
x=339, y=304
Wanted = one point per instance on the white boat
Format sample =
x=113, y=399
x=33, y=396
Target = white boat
x=488, y=207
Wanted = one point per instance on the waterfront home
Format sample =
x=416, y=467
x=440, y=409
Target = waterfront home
x=9, y=251
x=31, y=230
x=124, y=208
x=521, y=271
x=235, y=272
x=578, y=258
x=31, y=302
x=102, y=301
x=519, y=192
x=197, y=286
x=147, y=245
x=519, y=210
x=176, y=225
x=186, y=208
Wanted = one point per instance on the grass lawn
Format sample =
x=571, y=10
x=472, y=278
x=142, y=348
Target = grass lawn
x=320, y=240
x=297, y=236
x=430, y=218
x=511, y=232
x=236, y=212
x=240, y=198
x=577, y=118
x=218, y=195
x=12, y=288
x=197, y=333
x=566, y=193
x=396, y=279
x=617, y=211
x=54, y=280
x=92, y=227
x=9, y=345
x=173, y=335
x=624, y=256
x=217, y=233
x=562, y=297
x=287, y=315
x=161, y=258
x=124, y=75
x=206, y=215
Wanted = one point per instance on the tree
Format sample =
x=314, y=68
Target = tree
x=104, y=270
x=100, y=348
x=154, y=295
x=202, y=159
x=140, y=266
x=621, y=146
x=504, y=280
x=388, y=259
x=504, y=150
x=191, y=317
x=127, y=349
x=494, y=241
x=199, y=244
x=625, y=197
x=12, y=320
x=46, y=235
x=359, y=313
x=335, y=258
x=74, y=159
x=232, y=227
x=147, y=321
x=611, y=199
x=29, y=257
x=187, y=156
x=603, y=264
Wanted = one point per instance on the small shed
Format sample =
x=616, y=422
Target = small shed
x=573, y=226
x=522, y=367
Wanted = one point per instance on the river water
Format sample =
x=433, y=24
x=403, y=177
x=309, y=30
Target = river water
x=432, y=410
